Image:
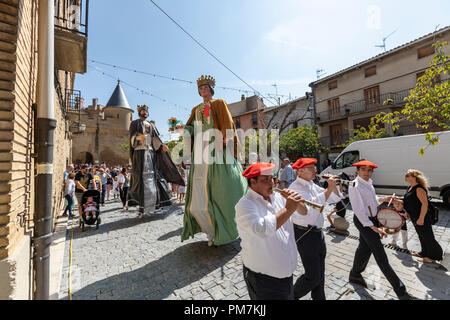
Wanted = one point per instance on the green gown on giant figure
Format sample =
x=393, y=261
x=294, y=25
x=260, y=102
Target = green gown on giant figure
x=213, y=188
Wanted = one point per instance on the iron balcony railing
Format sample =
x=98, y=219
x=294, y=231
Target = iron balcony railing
x=73, y=100
x=72, y=15
x=334, y=141
x=361, y=106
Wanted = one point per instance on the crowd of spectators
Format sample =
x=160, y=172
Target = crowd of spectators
x=112, y=183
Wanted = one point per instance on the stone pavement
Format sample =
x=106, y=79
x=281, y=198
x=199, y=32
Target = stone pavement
x=129, y=258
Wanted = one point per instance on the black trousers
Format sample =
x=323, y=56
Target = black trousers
x=370, y=242
x=312, y=250
x=263, y=287
x=102, y=200
x=430, y=247
x=123, y=195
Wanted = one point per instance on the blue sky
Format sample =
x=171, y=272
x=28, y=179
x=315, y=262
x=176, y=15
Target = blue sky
x=263, y=41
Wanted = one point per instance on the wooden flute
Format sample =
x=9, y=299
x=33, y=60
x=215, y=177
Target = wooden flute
x=309, y=203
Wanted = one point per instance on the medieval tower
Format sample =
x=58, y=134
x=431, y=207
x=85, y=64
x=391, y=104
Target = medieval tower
x=104, y=132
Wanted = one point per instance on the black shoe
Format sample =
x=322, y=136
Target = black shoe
x=358, y=280
x=407, y=296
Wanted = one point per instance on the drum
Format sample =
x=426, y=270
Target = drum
x=391, y=220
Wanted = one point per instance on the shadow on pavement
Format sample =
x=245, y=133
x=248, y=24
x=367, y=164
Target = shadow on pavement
x=171, y=234
x=158, y=279
x=129, y=220
x=406, y=259
x=336, y=237
x=439, y=284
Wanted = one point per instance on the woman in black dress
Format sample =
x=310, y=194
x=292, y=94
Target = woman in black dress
x=415, y=203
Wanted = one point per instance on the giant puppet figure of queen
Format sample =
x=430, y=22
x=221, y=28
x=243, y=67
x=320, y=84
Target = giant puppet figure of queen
x=214, y=187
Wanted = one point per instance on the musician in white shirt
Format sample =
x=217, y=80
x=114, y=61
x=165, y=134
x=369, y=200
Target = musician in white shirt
x=265, y=227
x=308, y=229
x=364, y=205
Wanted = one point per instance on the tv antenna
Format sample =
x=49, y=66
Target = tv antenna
x=320, y=73
x=276, y=93
x=383, y=46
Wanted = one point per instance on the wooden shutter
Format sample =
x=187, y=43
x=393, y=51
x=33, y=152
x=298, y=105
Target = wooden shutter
x=336, y=134
x=372, y=96
x=425, y=51
x=370, y=71
x=334, y=108
x=332, y=85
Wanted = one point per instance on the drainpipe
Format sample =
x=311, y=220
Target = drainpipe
x=46, y=124
x=313, y=90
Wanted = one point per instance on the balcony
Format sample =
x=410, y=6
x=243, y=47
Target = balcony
x=331, y=142
x=362, y=106
x=74, y=102
x=71, y=32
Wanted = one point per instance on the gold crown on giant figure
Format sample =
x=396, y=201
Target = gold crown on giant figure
x=206, y=80
x=141, y=108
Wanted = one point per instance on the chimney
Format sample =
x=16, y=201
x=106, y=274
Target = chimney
x=94, y=103
x=242, y=97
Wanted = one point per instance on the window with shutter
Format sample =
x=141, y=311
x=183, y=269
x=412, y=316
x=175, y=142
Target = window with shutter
x=425, y=51
x=372, y=96
x=334, y=108
x=332, y=85
x=336, y=135
x=370, y=71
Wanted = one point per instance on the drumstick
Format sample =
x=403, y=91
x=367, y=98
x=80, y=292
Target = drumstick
x=370, y=211
x=392, y=198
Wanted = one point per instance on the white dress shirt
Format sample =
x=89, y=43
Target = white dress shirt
x=363, y=195
x=265, y=249
x=310, y=191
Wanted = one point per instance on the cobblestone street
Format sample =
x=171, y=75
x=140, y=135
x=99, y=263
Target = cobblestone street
x=128, y=258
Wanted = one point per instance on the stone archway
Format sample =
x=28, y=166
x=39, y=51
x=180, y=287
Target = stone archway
x=89, y=158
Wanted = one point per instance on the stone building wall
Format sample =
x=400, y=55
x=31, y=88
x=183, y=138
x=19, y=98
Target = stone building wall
x=103, y=138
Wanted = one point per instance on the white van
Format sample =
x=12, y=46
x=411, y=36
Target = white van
x=394, y=156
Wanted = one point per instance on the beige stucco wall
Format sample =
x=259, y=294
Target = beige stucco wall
x=395, y=72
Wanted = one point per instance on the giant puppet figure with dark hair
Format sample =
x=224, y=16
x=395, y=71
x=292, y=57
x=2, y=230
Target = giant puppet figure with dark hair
x=152, y=167
x=214, y=187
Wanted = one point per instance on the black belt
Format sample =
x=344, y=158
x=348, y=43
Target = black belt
x=309, y=227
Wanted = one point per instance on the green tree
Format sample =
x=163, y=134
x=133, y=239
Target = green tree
x=374, y=131
x=428, y=104
x=171, y=145
x=299, y=142
x=254, y=140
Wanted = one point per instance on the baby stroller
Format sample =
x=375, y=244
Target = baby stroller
x=90, y=220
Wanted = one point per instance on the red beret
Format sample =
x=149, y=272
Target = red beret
x=259, y=169
x=365, y=163
x=303, y=162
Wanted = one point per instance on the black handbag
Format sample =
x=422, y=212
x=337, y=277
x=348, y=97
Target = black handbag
x=433, y=212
